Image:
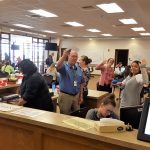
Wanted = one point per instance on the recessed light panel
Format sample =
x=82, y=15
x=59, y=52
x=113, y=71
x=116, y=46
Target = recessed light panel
x=128, y=21
x=111, y=8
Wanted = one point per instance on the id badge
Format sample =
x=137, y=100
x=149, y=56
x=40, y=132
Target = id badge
x=75, y=83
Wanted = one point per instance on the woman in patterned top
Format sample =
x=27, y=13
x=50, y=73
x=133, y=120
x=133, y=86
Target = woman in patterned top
x=83, y=63
x=107, y=75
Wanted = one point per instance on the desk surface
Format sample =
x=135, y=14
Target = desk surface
x=9, y=86
x=54, y=121
x=96, y=94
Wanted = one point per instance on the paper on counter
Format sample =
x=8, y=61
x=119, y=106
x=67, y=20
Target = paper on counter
x=28, y=112
x=8, y=107
x=79, y=123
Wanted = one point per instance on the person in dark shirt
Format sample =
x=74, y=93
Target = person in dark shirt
x=49, y=60
x=34, y=90
x=105, y=110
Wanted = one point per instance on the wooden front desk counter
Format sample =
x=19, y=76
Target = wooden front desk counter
x=48, y=132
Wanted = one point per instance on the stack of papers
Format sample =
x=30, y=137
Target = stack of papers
x=79, y=123
x=28, y=112
x=8, y=107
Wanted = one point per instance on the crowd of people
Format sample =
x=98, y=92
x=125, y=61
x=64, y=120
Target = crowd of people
x=73, y=76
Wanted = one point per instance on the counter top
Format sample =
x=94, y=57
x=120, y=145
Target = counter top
x=55, y=121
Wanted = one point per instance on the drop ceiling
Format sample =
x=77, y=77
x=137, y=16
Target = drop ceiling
x=83, y=11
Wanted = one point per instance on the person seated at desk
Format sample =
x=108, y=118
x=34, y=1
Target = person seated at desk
x=34, y=90
x=105, y=110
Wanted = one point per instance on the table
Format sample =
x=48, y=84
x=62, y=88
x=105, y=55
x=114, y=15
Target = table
x=48, y=132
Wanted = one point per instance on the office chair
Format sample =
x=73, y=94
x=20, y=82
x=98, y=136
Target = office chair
x=48, y=79
x=80, y=113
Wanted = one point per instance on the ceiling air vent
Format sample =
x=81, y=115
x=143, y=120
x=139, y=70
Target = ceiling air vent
x=88, y=8
x=34, y=16
x=66, y=25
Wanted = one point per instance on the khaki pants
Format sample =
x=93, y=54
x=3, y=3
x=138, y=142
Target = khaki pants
x=68, y=103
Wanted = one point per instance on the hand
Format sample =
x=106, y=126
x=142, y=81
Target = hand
x=66, y=52
x=104, y=62
x=21, y=102
x=80, y=100
x=119, y=83
x=143, y=62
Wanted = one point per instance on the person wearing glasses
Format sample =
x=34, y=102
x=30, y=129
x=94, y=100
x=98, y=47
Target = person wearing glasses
x=105, y=110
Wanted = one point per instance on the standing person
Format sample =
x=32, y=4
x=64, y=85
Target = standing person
x=105, y=110
x=70, y=82
x=7, y=58
x=33, y=90
x=133, y=84
x=107, y=75
x=83, y=63
x=49, y=60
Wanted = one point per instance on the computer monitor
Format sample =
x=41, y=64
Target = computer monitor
x=144, y=127
x=131, y=115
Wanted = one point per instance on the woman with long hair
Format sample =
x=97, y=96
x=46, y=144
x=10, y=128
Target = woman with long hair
x=133, y=84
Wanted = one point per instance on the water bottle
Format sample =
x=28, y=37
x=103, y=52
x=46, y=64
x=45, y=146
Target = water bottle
x=53, y=87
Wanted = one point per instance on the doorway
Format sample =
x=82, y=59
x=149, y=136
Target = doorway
x=121, y=55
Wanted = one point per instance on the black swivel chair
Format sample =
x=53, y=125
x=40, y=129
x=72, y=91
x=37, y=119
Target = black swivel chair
x=80, y=113
x=48, y=79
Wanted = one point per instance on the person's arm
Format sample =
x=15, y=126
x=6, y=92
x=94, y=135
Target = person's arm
x=90, y=114
x=81, y=94
x=62, y=59
x=100, y=66
x=143, y=77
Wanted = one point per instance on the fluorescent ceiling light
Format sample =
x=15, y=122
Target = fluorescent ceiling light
x=12, y=30
x=75, y=24
x=106, y=34
x=43, y=13
x=145, y=34
x=67, y=35
x=47, y=31
x=128, y=21
x=93, y=30
x=110, y=8
x=23, y=26
x=138, y=29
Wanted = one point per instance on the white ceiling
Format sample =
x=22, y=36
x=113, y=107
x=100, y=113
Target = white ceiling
x=15, y=11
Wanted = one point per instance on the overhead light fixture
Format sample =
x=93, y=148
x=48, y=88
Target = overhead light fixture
x=145, y=34
x=138, y=29
x=93, y=30
x=106, y=34
x=75, y=24
x=47, y=31
x=111, y=8
x=128, y=21
x=42, y=12
x=12, y=30
x=23, y=26
x=67, y=35
x=132, y=38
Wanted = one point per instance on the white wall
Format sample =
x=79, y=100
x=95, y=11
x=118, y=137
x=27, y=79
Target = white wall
x=100, y=49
